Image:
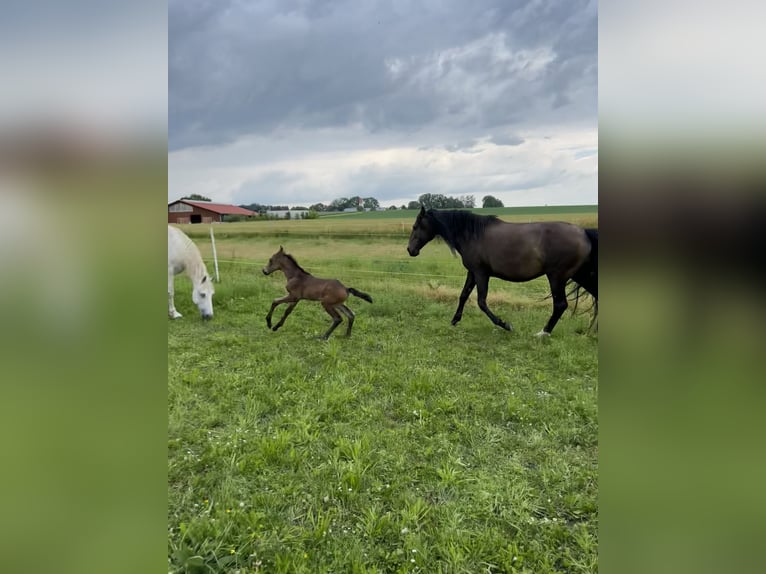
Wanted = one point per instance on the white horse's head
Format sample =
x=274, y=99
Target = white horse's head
x=202, y=295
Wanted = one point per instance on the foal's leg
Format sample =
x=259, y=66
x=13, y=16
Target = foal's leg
x=172, y=313
x=482, y=286
x=286, y=299
x=350, y=315
x=336, y=320
x=559, y=294
x=470, y=283
x=289, y=310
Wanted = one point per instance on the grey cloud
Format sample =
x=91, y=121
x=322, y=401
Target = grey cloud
x=239, y=68
x=267, y=187
x=464, y=146
x=509, y=140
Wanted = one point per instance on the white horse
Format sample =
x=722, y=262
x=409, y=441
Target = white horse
x=183, y=255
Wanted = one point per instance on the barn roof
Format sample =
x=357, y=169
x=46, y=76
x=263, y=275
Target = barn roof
x=221, y=208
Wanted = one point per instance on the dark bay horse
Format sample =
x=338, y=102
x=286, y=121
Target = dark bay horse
x=516, y=252
x=301, y=284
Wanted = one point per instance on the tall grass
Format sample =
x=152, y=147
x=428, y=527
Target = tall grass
x=412, y=446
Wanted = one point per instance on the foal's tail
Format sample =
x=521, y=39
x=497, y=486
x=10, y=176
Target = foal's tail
x=359, y=294
x=587, y=275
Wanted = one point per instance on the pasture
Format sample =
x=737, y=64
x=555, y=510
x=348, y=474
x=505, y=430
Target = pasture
x=412, y=446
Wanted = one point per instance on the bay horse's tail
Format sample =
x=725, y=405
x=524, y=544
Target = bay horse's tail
x=587, y=275
x=359, y=294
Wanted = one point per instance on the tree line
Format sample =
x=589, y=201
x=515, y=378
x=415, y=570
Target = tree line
x=428, y=200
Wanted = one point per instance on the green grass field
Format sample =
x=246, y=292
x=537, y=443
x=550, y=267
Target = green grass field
x=381, y=223
x=509, y=213
x=413, y=446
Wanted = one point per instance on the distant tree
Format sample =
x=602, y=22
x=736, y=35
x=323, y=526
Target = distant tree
x=196, y=197
x=391, y=207
x=404, y=207
x=371, y=203
x=489, y=201
x=318, y=207
x=312, y=214
x=300, y=208
x=287, y=215
x=412, y=205
x=339, y=204
x=441, y=201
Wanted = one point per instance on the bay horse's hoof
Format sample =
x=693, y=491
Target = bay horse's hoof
x=542, y=334
x=506, y=326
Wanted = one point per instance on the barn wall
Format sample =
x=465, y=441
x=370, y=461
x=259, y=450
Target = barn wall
x=186, y=216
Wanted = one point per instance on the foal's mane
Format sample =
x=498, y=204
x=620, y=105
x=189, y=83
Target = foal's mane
x=455, y=226
x=291, y=258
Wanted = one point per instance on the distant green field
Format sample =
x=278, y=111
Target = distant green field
x=394, y=223
x=542, y=210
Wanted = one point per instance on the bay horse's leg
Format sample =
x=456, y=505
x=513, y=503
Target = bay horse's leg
x=350, y=315
x=336, y=320
x=289, y=310
x=274, y=304
x=172, y=313
x=482, y=287
x=470, y=283
x=559, y=295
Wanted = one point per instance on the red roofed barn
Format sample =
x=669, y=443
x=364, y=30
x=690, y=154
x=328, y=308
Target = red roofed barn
x=188, y=211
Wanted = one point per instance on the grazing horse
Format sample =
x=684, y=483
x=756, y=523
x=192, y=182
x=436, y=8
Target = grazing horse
x=301, y=284
x=183, y=255
x=516, y=252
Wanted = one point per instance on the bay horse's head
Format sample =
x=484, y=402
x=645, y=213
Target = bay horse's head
x=423, y=231
x=274, y=263
x=202, y=295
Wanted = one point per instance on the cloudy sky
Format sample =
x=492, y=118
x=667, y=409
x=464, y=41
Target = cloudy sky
x=297, y=101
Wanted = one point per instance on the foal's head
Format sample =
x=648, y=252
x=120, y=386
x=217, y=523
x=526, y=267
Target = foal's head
x=202, y=295
x=276, y=261
x=423, y=231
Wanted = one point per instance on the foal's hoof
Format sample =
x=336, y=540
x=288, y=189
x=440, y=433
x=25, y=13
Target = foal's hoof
x=455, y=321
x=542, y=334
x=274, y=328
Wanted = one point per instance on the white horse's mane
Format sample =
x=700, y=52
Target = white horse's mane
x=194, y=266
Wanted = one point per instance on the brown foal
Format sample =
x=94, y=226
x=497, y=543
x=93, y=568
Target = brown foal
x=301, y=284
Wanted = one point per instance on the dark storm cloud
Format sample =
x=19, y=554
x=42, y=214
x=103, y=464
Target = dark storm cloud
x=238, y=68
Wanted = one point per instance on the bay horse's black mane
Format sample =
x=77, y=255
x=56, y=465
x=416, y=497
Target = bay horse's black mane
x=456, y=225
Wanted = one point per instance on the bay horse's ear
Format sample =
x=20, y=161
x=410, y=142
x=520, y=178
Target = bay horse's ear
x=422, y=209
x=281, y=249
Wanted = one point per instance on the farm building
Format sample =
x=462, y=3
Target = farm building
x=187, y=211
x=294, y=213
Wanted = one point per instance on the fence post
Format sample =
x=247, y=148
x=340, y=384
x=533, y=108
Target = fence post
x=215, y=256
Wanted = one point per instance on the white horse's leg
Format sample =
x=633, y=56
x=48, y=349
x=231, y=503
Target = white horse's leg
x=172, y=313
